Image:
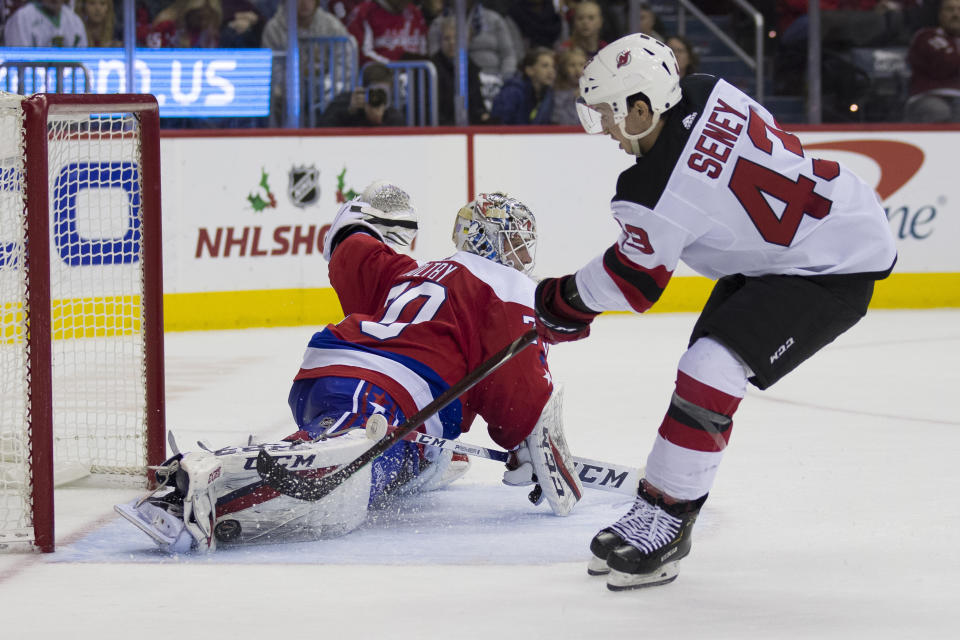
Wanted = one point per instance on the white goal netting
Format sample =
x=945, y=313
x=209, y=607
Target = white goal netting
x=96, y=284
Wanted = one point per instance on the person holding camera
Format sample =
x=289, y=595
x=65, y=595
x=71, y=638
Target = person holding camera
x=367, y=105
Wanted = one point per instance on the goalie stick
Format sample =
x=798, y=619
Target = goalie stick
x=594, y=474
x=312, y=489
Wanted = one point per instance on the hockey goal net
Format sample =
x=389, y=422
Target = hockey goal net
x=81, y=333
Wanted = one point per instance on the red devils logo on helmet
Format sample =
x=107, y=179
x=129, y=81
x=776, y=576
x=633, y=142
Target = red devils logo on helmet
x=623, y=58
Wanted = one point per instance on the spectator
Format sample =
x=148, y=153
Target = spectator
x=500, y=6
x=612, y=12
x=45, y=23
x=587, y=24
x=649, y=21
x=538, y=22
x=186, y=23
x=312, y=21
x=934, y=58
x=388, y=30
x=615, y=19
x=146, y=11
x=367, y=105
x=566, y=90
x=490, y=45
x=99, y=19
x=431, y=10
x=843, y=24
x=443, y=60
x=527, y=97
x=686, y=55
x=7, y=9
x=342, y=8
x=242, y=26
x=266, y=8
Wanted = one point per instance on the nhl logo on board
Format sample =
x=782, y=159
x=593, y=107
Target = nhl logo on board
x=623, y=58
x=304, y=188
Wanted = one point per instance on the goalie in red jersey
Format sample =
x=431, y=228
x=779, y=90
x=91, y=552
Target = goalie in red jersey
x=412, y=329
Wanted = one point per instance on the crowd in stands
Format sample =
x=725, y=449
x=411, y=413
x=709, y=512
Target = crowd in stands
x=524, y=55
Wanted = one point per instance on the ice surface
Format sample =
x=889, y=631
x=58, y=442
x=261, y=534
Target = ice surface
x=835, y=513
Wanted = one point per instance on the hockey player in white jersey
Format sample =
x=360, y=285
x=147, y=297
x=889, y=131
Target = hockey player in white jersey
x=795, y=244
x=412, y=329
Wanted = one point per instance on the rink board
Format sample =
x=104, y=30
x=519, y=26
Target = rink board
x=245, y=213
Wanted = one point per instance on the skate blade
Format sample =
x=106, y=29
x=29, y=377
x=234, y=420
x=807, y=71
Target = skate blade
x=597, y=567
x=167, y=542
x=620, y=581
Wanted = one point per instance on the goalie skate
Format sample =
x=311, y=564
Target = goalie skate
x=162, y=525
x=180, y=514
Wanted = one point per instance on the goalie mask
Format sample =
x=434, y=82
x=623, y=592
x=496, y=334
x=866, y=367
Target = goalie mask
x=498, y=228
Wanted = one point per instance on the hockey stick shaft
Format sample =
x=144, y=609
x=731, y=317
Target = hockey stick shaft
x=313, y=489
x=594, y=474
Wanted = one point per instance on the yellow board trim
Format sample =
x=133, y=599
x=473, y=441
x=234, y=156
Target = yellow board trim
x=244, y=309
x=99, y=317
x=917, y=291
x=317, y=307
x=110, y=316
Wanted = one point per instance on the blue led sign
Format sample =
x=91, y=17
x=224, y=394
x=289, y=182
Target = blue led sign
x=186, y=82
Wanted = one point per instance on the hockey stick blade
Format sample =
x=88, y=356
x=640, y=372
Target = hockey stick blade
x=312, y=489
x=593, y=474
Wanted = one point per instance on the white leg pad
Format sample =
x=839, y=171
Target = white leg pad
x=551, y=459
x=217, y=477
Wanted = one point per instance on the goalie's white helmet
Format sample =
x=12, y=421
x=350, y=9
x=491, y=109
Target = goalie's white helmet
x=632, y=64
x=499, y=228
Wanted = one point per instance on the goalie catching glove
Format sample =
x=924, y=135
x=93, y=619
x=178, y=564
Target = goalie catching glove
x=544, y=460
x=383, y=210
x=561, y=315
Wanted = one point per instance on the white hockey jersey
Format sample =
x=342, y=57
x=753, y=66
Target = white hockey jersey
x=31, y=26
x=727, y=191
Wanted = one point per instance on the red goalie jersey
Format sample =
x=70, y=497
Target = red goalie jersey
x=416, y=328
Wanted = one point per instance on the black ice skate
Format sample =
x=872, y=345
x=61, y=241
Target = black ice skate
x=644, y=547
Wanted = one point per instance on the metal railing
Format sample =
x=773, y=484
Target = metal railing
x=415, y=92
x=330, y=65
x=36, y=76
x=754, y=62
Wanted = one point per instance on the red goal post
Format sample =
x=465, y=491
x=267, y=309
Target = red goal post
x=81, y=316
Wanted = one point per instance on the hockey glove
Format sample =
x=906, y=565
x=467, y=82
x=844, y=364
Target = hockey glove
x=397, y=228
x=543, y=460
x=520, y=473
x=557, y=319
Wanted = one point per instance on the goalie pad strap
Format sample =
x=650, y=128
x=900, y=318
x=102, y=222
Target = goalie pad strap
x=388, y=222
